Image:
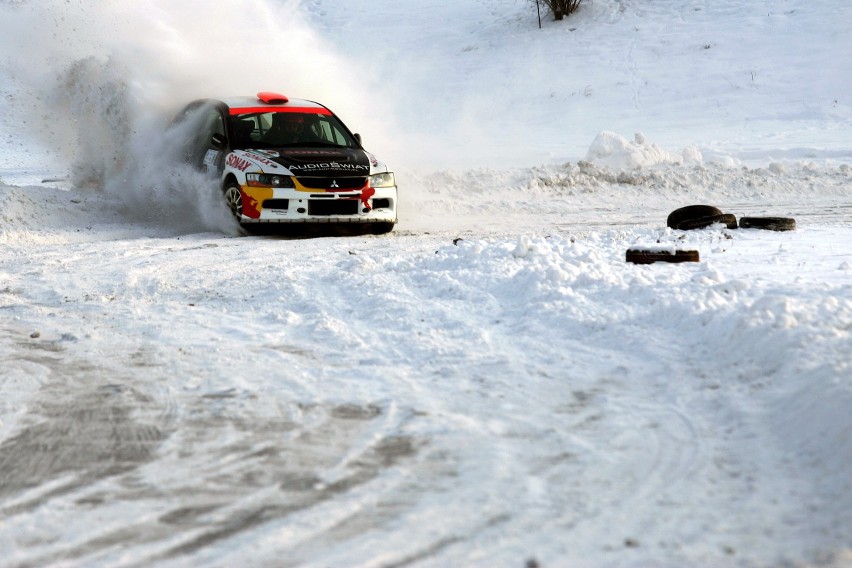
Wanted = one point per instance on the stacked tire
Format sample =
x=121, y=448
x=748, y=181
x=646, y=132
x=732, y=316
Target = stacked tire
x=768, y=223
x=702, y=216
x=638, y=255
x=699, y=217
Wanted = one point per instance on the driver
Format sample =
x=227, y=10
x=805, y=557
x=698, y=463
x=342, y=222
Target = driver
x=290, y=123
x=286, y=128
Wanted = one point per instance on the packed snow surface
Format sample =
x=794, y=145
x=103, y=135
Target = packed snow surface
x=491, y=384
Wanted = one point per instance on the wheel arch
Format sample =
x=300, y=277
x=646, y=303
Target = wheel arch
x=229, y=179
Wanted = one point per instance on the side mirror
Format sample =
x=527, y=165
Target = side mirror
x=358, y=138
x=218, y=141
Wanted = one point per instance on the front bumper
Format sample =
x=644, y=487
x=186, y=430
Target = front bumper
x=287, y=205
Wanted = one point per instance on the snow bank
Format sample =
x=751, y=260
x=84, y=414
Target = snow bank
x=616, y=152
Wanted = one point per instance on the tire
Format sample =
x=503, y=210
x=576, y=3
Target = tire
x=690, y=212
x=644, y=256
x=702, y=222
x=234, y=200
x=768, y=223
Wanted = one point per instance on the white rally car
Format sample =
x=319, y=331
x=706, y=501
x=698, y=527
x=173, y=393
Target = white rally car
x=283, y=160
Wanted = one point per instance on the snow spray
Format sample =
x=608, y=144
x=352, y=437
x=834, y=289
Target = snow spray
x=98, y=82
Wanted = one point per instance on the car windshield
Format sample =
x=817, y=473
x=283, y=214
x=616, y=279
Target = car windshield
x=278, y=129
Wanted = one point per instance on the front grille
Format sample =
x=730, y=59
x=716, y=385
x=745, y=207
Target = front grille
x=333, y=182
x=335, y=207
x=276, y=204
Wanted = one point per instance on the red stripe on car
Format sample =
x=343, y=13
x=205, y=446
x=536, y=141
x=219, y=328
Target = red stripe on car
x=252, y=110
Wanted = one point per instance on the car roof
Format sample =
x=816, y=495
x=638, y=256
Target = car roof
x=240, y=105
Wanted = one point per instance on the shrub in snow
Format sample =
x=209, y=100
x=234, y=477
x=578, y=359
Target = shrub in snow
x=561, y=8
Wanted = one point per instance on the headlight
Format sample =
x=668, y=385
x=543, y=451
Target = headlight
x=383, y=180
x=268, y=180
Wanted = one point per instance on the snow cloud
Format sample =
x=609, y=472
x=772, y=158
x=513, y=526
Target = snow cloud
x=98, y=81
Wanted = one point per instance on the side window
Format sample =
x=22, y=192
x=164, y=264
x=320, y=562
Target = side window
x=198, y=122
x=214, y=124
x=244, y=128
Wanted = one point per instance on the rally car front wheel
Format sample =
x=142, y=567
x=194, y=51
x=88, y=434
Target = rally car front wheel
x=234, y=199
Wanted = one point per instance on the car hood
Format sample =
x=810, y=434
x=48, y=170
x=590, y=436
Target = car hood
x=319, y=161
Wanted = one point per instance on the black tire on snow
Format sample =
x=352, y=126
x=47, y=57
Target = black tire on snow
x=726, y=219
x=768, y=223
x=643, y=256
x=690, y=212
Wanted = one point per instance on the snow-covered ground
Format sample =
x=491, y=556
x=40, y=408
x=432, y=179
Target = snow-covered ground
x=489, y=385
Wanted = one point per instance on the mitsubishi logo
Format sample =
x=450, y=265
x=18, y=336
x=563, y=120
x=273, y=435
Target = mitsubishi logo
x=334, y=183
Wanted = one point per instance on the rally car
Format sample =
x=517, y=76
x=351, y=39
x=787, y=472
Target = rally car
x=282, y=160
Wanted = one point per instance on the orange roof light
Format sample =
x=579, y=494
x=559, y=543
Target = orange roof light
x=272, y=98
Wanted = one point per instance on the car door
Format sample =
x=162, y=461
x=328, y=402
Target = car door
x=213, y=140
